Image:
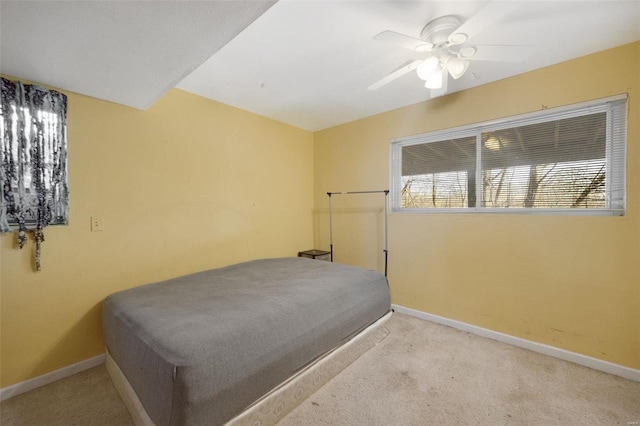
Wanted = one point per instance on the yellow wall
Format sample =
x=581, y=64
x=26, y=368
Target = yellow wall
x=192, y=184
x=188, y=185
x=568, y=281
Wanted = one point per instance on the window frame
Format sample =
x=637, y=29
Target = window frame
x=616, y=108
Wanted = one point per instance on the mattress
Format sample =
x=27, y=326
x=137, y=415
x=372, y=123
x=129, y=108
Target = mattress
x=200, y=349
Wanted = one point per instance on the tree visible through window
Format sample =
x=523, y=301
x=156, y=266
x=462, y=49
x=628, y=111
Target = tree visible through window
x=554, y=161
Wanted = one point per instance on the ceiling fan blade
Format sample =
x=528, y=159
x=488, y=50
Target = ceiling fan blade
x=442, y=90
x=489, y=14
x=408, y=42
x=501, y=53
x=394, y=75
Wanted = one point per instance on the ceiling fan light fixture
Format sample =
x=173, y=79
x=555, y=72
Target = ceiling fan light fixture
x=435, y=79
x=447, y=54
x=457, y=67
x=428, y=67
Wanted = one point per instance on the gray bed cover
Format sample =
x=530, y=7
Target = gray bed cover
x=199, y=349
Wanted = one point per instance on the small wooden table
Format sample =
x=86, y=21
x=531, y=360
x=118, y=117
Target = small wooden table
x=315, y=254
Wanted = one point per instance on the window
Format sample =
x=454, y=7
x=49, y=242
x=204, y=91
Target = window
x=565, y=160
x=33, y=156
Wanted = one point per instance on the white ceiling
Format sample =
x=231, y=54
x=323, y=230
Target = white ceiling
x=307, y=63
x=128, y=52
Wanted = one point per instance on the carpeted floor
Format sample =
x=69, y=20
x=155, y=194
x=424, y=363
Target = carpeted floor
x=421, y=374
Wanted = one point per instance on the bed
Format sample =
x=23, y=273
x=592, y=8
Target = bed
x=241, y=344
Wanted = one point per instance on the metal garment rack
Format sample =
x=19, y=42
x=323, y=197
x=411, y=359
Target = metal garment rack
x=386, y=194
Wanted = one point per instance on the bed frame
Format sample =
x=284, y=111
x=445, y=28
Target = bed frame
x=243, y=344
x=275, y=405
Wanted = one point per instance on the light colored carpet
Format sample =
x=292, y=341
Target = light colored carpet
x=421, y=374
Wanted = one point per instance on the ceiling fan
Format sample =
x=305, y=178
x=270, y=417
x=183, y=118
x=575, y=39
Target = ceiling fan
x=444, y=40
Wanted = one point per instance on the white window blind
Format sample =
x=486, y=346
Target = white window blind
x=567, y=160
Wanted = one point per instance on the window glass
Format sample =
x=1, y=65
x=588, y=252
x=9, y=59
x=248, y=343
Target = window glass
x=439, y=174
x=554, y=164
x=556, y=161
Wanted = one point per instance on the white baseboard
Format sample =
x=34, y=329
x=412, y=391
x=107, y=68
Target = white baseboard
x=45, y=379
x=596, y=364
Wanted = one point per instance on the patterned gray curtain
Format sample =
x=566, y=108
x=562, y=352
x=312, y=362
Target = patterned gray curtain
x=33, y=177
